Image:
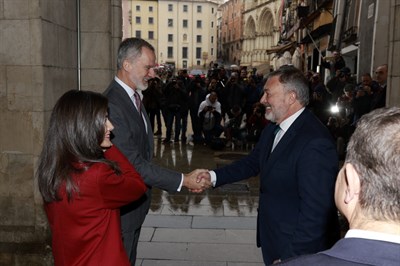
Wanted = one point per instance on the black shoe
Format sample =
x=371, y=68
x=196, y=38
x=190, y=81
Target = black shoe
x=158, y=133
x=183, y=139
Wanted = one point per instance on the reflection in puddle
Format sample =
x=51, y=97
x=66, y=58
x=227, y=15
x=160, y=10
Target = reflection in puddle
x=238, y=199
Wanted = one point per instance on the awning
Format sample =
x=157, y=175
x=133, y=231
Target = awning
x=318, y=33
x=279, y=49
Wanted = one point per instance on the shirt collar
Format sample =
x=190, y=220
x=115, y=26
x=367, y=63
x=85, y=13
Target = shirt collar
x=357, y=233
x=128, y=89
x=285, y=124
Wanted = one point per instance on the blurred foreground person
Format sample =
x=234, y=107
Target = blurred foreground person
x=84, y=180
x=368, y=195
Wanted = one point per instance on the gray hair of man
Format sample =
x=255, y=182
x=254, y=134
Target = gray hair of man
x=374, y=151
x=293, y=80
x=131, y=48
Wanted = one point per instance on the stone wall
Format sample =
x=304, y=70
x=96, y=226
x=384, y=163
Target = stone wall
x=38, y=63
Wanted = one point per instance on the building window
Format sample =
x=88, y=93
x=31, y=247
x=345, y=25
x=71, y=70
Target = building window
x=212, y=24
x=170, y=52
x=185, y=23
x=170, y=22
x=170, y=37
x=137, y=8
x=151, y=35
x=185, y=8
x=212, y=39
x=150, y=9
x=151, y=20
x=212, y=10
x=198, y=62
x=212, y=51
x=184, y=52
x=198, y=52
x=198, y=9
x=138, y=34
x=170, y=7
x=198, y=38
x=184, y=64
x=138, y=20
x=199, y=24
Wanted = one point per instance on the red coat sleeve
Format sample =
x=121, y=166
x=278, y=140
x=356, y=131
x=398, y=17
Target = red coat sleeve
x=117, y=190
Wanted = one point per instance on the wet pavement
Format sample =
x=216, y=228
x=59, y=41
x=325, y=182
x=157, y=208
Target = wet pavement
x=213, y=228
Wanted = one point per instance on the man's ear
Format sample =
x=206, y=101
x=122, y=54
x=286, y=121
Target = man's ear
x=126, y=65
x=353, y=183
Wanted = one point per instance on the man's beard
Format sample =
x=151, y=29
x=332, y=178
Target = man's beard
x=270, y=116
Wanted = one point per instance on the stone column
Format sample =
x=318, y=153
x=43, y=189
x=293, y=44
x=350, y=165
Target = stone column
x=38, y=63
x=393, y=94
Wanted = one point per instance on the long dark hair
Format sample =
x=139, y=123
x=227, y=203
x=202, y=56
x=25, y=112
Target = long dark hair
x=72, y=142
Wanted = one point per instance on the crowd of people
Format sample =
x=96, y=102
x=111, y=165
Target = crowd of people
x=218, y=104
x=171, y=99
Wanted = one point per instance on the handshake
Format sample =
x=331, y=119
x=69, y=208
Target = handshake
x=197, y=181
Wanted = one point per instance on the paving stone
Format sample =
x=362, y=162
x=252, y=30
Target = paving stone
x=168, y=221
x=224, y=222
x=205, y=236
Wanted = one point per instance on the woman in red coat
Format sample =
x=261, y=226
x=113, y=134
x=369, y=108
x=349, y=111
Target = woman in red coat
x=84, y=180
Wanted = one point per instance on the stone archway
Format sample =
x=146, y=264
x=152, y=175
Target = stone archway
x=249, y=43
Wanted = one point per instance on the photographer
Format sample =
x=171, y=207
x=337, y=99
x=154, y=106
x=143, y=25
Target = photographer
x=256, y=123
x=210, y=117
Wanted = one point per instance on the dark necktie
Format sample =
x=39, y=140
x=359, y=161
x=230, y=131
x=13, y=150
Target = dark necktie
x=274, y=141
x=138, y=102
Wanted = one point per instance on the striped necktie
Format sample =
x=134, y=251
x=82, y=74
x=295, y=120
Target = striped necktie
x=138, y=102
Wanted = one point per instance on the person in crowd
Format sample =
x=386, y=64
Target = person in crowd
x=336, y=85
x=134, y=136
x=319, y=100
x=297, y=163
x=197, y=93
x=379, y=96
x=235, y=127
x=368, y=194
x=252, y=94
x=233, y=94
x=256, y=123
x=84, y=180
x=363, y=96
x=151, y=102
x=184, y=80
x=334, y=64
x=176, y=104
x=210, y=117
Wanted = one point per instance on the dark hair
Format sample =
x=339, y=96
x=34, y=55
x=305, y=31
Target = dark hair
x=293, y=80
x=131, y=48
x=72, y=142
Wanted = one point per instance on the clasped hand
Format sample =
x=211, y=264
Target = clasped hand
x=197, y=181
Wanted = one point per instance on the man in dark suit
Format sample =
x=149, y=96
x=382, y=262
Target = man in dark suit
x=297, y=165
x=368, y=194
x=134, y=137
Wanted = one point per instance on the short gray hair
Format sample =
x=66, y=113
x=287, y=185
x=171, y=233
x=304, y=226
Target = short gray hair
x=374, y=151
x=293, y=80
x=131, y=48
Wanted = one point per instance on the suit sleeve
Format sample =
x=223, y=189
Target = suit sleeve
x=118, y=190
x=132, y=141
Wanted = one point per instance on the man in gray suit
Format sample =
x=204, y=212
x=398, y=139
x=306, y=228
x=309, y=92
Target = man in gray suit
x=368, y=194
x=134, y=137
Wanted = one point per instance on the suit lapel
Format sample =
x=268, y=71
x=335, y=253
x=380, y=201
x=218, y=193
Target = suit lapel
x=284, y=143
